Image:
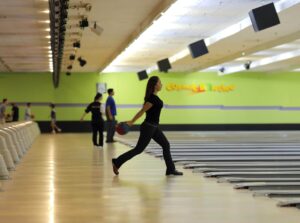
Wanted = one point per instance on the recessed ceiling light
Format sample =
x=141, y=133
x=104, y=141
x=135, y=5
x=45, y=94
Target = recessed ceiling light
x=45, y=11
x=45, y=21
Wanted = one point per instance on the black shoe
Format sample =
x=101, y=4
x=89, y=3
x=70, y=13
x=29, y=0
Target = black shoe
x=174, y=172
x=115, y=168
x=111, y=141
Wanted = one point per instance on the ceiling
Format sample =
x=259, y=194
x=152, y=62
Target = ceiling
x=121, y=21
x=24, y=35
x=24, y=44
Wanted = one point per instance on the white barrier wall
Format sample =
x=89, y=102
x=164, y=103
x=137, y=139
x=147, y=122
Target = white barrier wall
x=15, y=139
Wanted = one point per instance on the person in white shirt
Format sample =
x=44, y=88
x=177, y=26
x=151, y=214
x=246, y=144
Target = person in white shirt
x=28, y=115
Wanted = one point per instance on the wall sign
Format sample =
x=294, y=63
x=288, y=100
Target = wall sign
x=200, y=88
x=101, y=88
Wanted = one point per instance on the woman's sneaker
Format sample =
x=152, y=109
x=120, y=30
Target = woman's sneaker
x=115, y=168
x=174, y=172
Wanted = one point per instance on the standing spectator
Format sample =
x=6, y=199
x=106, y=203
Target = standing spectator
x=97, y=121
x=2, y=110
x=111, y=112
x=54, y=127
x=14, y=112
x=28, y=115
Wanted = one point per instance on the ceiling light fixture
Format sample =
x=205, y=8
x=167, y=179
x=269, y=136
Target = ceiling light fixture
x=82, y=62
x=72, y=57
x=247, y=65
x=76, y=44
x=222, y=69
x=83, y=23
x=97, y=29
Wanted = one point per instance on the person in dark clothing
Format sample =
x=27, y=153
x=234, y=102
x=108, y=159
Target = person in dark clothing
x=14, y=112
x=111, y=112
x=149, y=129
x=97, y=121
x=2, y=110
x=53, y=125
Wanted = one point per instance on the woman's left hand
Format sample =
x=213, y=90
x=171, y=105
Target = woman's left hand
x=130, y=123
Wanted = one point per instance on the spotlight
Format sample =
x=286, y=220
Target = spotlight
x=72, y=57
x=84, y=23
x=97, y=29
x=76, y=44
x=222, y=69
x=88, y=7
x=69, y=67
x=247, y=65
x=82, y=62
x=68, y=73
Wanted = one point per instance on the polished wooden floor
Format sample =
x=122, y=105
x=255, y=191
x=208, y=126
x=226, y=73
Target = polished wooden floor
x=62, y=178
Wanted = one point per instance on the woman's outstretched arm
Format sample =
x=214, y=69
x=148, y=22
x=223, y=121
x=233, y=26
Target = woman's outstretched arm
x=145, y=108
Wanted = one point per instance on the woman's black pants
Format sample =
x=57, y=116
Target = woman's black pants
x=98, y=127
x=149, y=131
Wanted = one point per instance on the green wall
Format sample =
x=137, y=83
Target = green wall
x=250, y=89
